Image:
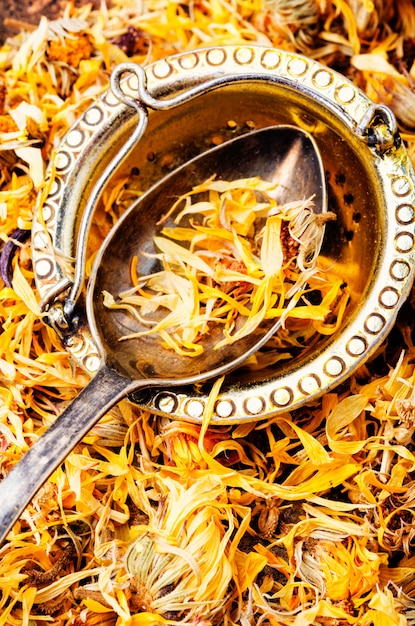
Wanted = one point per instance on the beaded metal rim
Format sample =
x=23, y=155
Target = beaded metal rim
x=213, y=68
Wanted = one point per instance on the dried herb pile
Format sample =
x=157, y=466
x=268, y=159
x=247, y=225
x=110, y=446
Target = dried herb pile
x=304, y=519
x=231, y=253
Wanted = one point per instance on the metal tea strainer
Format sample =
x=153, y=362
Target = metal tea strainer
x=186, y=103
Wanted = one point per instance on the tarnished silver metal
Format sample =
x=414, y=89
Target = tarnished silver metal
x=142, y=362
x=93, y=199
x=377, y=134
x=196, y=99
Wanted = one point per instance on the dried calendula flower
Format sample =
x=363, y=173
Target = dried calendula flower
x=71, y=50
x=370, y=15
x=153, y=506
x=293, y=22
x=232, y=251
x=406, y=411
x=184, y=578
x=7, y=124
x=401, y=99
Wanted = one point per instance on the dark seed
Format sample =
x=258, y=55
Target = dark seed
x=6, y=256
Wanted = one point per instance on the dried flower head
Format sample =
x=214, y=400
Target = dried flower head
x=292, y=22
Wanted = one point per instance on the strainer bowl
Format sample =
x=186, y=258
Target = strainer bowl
x=192, y=101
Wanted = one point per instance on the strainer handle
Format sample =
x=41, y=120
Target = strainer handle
x=87, y=216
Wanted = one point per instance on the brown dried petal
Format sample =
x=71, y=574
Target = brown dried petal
x=406, y=411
